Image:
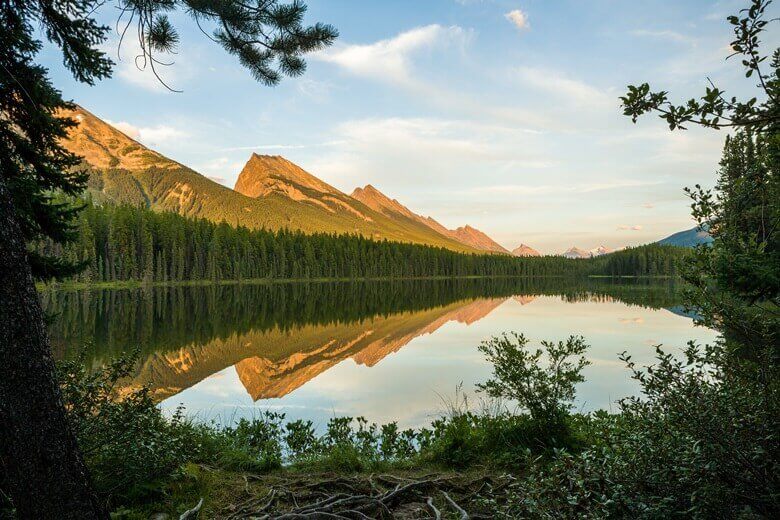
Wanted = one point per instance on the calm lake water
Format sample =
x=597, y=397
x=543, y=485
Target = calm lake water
x=383, y=350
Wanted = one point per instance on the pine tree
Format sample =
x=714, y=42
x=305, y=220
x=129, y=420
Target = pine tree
x=44, y=472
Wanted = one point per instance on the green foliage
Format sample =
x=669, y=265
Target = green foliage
x=130, y=448
x=519, y=375
x=135, y=453
x=700, y=443
x=736, y=282
x=647, y=260
x=254, y=445
x=713, y=110
x=34, y=164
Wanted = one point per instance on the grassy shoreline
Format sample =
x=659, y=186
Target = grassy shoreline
x=137, y=284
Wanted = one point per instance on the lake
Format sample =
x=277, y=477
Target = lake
x=388, y=351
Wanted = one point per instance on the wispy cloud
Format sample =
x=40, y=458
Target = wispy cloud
x=558, y=83
x=389, y=60
x=566, y=188
x=297, y=146
x=518, y=18
x=398, y=148
x=626, y=227
x=220, y=169
x=666, y=35
x=131, y=67
x=149, y=135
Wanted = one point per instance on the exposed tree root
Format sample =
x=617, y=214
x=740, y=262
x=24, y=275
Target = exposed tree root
x=384, y=497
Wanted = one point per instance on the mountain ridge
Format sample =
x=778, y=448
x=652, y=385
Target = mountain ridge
x=123, y=170
x=525, y=250
x=688, y=238
x=467, y=235
x=576, y=252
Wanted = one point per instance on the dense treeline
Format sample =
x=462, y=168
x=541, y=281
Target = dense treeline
x=647, y=260
x=117, y=243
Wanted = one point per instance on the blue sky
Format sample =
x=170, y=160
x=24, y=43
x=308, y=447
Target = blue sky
x=500, y=114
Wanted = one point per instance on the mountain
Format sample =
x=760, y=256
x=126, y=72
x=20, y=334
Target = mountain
x=476, y=238
x=467, y=235
x=688, y=238
x=576, y=252
x=270, y=175
x=524, y=250
x=601, y=250
x=271, y=192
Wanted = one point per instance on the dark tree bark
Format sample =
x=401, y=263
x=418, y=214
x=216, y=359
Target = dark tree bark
x=46, y=476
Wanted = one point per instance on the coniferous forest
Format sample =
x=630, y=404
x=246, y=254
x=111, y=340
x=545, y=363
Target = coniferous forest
x=122, y=243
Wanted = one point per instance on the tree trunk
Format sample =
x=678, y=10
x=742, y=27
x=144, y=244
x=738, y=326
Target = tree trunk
x=45, y=474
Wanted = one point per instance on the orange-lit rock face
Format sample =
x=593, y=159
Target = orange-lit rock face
x=467, y=235
x=476, y=238
x=524, y=250
x=103, y=146
x=264, y=175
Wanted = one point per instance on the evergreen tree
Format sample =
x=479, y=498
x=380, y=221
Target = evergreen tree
x=41, y=462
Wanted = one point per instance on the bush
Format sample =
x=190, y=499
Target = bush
x=545, y=390
x=702, y=442
x=129, y=447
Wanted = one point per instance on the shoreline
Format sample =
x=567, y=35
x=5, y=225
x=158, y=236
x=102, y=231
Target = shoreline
x=139, y=284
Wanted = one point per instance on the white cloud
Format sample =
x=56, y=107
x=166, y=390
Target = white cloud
x=396, y=149
x=518, y=18
x=145, y=78
x=221, y=169
x=160, y=134
x=126, y=128
x=648, y=205
x=389, y=60
x=131, y=67
x=524, y=189
x=665, y=35
x=558, y=83
x=316, y=90
x=624, y=227
x=279, y=146
x=149, y=135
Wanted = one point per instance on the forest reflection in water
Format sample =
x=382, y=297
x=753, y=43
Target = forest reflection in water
x=385, y=350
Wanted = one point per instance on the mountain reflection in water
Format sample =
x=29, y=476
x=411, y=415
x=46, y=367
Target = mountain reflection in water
x=278, y=337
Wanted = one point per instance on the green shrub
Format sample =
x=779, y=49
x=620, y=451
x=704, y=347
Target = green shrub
x=131, y=449
x=300, y=438
x=701, y=442
x=259, y=440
